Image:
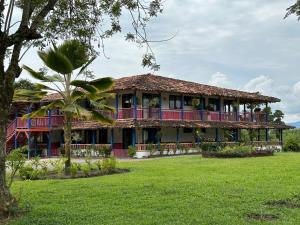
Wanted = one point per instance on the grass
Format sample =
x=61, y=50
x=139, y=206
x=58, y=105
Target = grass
x=180, y=190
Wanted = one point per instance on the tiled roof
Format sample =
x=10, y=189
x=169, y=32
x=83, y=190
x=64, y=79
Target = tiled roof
x=154, y=83
x=131, y=123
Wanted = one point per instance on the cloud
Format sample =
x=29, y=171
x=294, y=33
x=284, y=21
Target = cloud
x=220, y=80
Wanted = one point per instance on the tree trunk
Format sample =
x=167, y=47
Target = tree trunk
x=68, y=137
x=7, y=201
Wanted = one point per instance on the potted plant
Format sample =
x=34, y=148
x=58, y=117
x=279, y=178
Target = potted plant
x=196, y=103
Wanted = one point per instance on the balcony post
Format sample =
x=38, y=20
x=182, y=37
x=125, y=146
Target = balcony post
x=135, y=106
x=29, y=120
x=160, y=107
x=220, y=109
x=238, y=110
x=252, y=119
x=244, y=111
x=201, y=107
x=182, y=107
x=267, y=113
x=117, y=107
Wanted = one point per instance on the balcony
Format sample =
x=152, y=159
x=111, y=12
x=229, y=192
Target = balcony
x=189, y=115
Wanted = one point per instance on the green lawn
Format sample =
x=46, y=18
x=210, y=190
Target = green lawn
x=180, y=190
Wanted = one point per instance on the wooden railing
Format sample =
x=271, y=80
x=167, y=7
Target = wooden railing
x=189, y=115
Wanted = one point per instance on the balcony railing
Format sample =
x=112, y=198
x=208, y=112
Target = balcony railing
x=188, y=115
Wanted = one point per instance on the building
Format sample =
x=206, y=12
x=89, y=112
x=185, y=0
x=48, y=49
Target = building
x=151, y=109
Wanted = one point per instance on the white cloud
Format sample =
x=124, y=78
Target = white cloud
x=220, y=80
x=261, y=83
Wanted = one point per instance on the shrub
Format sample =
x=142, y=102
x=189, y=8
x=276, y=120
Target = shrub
x=209, y=146
x=108, y=165
x=74, y=169
x=131, y=151
x=25, y=172
x=105, y=151
x=86, y=169
x=291, y=145
x=15, y=161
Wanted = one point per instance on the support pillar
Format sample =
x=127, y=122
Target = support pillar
x=133, y=137
x=94, y=137
x=112, y=138
x=220, y=109
x=28, y=126
x=267, y=135
x=177, y=136
x=49, y=144
x=217, y=135
x=267, y=114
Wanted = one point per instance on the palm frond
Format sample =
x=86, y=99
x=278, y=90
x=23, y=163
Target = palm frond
x=56, y=61
x=83, y=68
x=100, y=117
x=37, y=75
x=84, y=85
x=102, y=84
x=76, y=52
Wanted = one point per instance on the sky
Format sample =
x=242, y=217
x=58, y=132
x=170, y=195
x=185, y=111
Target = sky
x=239, y=44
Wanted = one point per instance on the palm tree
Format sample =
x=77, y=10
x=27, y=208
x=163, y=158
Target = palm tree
x=69, y=62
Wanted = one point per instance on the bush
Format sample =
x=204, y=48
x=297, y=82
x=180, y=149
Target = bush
x=209, y=147
x=86, y=169
x=291, y=145
x=15, y=161
x=105, y=152
x=26, y=172
x=131, y=151
x=108, y=165
x=74, y=169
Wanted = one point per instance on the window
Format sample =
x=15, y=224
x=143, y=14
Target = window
x=175, y=102
x=187, y=130
x=127, y=101
x=188, y=101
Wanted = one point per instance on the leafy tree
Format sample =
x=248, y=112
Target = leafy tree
x=27, y=23
x=278, y=116
x=64, y=61
x=294, y=9
x=24, y=84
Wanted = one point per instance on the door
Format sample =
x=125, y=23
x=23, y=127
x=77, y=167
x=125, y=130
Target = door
x=127, y=137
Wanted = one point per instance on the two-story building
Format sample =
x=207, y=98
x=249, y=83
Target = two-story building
x=151, y=109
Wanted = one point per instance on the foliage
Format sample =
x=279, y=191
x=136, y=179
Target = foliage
x=206, y=146
x=131, y=151
x=236, y=149
x=196, y=103
x=291, y=145
x=108, y=164
x=105, y=151
x=15, y=161
x=74, y=169
x=151, y=148
x=85, y=168
x=24, y=84
x=154, y=102
x=64, y=60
